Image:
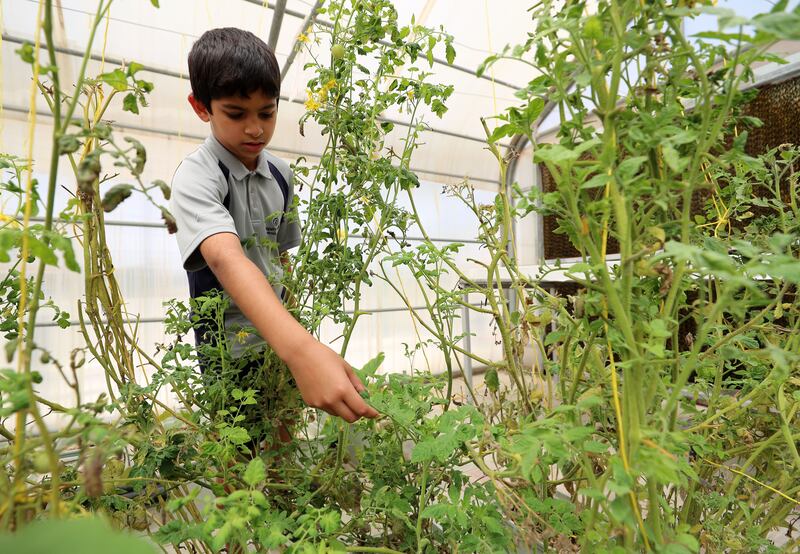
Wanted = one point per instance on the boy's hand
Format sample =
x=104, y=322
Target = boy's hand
x=328, y=382
x=324, y=379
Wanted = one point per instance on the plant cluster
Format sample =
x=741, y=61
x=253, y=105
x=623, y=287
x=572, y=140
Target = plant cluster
x=659, y=411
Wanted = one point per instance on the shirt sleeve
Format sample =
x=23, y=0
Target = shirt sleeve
x=289, y=230
x=197, y=205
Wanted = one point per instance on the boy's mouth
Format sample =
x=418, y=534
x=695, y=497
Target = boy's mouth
x=253, y=146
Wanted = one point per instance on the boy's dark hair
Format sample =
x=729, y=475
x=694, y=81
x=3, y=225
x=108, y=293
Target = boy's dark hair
x=229, y=62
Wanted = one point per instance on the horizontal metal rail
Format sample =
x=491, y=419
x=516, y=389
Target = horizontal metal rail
x=135, y=320
x=171, y=73
x=437, y=60
x=157, y=225
x=167, y=133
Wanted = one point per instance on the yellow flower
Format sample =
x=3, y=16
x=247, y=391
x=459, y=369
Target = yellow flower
x=329, y=85
x=410, y=94
x=303, y=37
x=312, y=104
x=8, y=219
x=241, y=335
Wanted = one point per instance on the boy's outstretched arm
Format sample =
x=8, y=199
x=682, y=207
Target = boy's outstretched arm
x=324, y=379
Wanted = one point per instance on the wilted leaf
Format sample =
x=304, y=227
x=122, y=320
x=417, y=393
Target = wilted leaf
x=88, y=173
x=115, y=196
x=129, y=103
x=67, y=144
x=141, y=156
x=169, y=221
x=164, y=187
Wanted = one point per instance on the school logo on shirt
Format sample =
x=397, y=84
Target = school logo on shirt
x=272, y=224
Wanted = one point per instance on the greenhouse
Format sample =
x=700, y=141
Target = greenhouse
x=380, y=276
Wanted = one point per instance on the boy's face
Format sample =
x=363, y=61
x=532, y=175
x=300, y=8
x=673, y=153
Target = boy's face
x=243, y=125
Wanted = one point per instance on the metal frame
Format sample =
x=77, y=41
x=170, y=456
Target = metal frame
x=436, y=60
x=275, y=25
x=309, y=20
x=164, y=132
x=170, y=73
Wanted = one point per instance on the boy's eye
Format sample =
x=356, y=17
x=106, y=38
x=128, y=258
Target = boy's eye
x=265, y=115
x=237, y=115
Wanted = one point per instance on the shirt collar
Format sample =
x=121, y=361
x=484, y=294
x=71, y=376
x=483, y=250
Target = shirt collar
x=236, y=167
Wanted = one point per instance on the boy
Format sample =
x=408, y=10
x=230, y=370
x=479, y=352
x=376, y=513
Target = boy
x=230, y=189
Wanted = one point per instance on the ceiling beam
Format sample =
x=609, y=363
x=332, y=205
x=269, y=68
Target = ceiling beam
x=171, y=73
x=309, y=20
x=275, y=27
x=437, y=60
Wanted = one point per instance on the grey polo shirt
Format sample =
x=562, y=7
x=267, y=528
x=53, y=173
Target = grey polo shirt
x=254, y=214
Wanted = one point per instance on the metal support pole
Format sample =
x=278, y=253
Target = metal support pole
x=277, y=20
x=436, y=59
x=192, y=136
x=284, y=98
x=308, y=21
x=467, y=342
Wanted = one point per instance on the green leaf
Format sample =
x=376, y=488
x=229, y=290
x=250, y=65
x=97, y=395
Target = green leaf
x=255, y=473
x=779, y=6
x=439, y=511
x=784, y=26
x=673, y=159
x=116, y=79
x=629, y=167
x=236, y=435
x=595, y=447
x=155, y=3
x=85, y=535
x=330, y=521
x=555, y=154
x=25, y=52
x=658, y=329
x=597, y=181
x=42, y=251
x=450, y=53
x=134, y=68
x=502, y=131
x=369, y=368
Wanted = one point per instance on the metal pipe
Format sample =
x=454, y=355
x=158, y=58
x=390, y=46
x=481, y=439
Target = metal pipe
x=167, y=133
x=287, y=11
x=465, y=327
x=171, y=73
x=309, y=20
x=156, y=225
x=278, y=10
x=161, y=319
x=436, y=60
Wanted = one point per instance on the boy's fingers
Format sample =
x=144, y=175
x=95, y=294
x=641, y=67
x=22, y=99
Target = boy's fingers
x=359, y=407
x=359, y=386
x=343, y=411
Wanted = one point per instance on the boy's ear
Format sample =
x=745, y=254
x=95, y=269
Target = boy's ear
x=199, y=108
